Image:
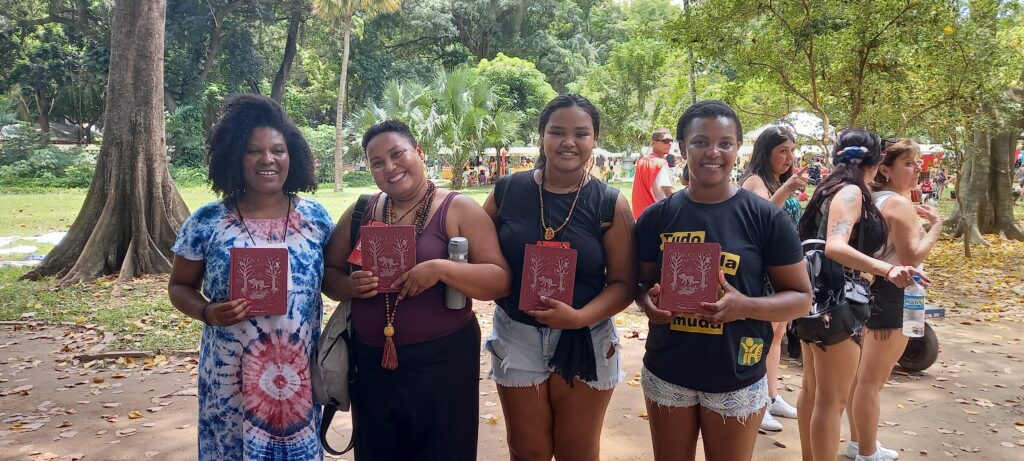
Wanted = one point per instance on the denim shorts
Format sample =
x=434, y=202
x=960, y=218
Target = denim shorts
x=520, y=352
x=738, y=404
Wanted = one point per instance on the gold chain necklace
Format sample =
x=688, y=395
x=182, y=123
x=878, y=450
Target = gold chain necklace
x=549, y=233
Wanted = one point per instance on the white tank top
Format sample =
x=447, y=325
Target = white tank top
x=888, y=251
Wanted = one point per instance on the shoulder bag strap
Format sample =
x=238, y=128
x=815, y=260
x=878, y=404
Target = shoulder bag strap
x=357, y=219
x=325, y=424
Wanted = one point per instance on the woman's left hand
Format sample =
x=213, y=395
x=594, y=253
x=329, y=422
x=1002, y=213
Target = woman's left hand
x=731, y=306
x=558, y=315
x=416, y=280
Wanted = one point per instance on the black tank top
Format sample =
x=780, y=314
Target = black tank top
x=519, y=224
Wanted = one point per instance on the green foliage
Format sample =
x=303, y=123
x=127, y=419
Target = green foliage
x=321, y=142
x=359, y=179
x=185, y=136
x=50, y=166
x=22, y=141
x=189, y=176
x=518, y=88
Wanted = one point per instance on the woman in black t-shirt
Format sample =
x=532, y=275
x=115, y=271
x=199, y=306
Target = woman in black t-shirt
x=556, y=368
x=706, y=374
x=829, y=370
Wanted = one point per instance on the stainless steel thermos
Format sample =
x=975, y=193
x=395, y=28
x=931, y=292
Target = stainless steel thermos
x=458, y=251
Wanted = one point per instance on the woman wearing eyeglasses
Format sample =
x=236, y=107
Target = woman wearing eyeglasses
x=771, y=176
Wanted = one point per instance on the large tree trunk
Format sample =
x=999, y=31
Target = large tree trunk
x=984, y=189
x=277, y=89
x=339, y=122
x=132, y=213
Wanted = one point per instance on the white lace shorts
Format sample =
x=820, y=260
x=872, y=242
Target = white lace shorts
x=738, y=404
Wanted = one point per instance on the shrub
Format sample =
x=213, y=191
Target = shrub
x=52, y=164
x=186, y=139
x=186, y=176
x=22, y=141
x=358, y=179
x=321, y=142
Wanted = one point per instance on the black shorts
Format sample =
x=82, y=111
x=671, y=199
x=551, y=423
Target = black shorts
x=886, y=306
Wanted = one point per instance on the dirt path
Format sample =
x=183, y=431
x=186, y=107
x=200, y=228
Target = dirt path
x=970, y=405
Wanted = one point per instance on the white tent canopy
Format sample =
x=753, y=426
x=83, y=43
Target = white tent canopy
x=805, y=124
x=533, y=151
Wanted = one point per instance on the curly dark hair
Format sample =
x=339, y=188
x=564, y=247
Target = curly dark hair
x=227, y=143
x=706, y=109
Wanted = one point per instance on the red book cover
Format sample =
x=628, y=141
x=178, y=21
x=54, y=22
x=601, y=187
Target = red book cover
x=547, y=271
x=689, y=276
x=260, y=275
x=388, y=251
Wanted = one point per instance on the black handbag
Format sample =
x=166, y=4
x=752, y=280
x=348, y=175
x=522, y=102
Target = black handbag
x=842, y=299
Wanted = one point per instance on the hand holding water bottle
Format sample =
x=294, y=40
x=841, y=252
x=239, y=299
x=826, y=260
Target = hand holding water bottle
x=913, y=309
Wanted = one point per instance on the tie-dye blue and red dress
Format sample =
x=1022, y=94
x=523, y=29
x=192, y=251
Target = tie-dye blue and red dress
x=255, y=401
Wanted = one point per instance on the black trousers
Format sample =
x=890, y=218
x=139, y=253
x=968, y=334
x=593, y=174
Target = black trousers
x=427, y=408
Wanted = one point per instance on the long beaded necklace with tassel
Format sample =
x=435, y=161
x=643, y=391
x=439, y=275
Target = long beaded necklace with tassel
x=389, y=360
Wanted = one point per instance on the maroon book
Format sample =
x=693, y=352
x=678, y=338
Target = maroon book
x=260, y=275
x=689, y=276
x=549, y=272
x=388, y=251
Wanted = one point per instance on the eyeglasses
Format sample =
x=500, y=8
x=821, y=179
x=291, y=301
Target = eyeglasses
x=666, y=141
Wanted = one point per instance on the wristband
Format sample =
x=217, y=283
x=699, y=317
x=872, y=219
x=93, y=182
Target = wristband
x=202, y=312
x=886, y=276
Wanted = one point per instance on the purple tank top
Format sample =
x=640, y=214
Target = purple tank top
x=419, y=318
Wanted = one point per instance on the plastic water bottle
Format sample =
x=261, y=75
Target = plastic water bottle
x=913, y=309
x=458, y=251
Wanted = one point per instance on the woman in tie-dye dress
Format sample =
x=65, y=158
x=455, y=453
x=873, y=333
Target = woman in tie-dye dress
x=255, y=400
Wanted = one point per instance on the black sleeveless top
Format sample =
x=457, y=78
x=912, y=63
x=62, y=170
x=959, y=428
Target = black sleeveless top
x=874, y=232
x=519, y=224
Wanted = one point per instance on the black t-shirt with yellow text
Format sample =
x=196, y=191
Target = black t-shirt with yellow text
x=754, y=234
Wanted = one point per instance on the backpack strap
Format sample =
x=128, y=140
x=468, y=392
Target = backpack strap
x=500, y=187
x=357, y=219
x=325, y=424
x=609, y=197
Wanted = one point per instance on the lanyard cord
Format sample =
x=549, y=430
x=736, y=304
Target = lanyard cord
x=287, y=221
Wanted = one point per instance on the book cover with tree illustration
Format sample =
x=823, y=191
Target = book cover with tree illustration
x=260, y=275
x=689, y=276
x=547, y=271
x=388, y=251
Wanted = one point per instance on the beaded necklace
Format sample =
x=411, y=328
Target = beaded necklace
x=549, y=233
x=389, y=360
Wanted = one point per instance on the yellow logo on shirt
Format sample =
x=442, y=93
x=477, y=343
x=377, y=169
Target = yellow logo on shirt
x=750, y=351
x=730, y=263
x=693, y=324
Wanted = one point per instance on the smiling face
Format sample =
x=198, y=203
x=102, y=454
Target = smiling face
x=265, y=163
x=781, y=158
x=903, y=172
x=396, y=164
x=711, y=148
x=569, y=139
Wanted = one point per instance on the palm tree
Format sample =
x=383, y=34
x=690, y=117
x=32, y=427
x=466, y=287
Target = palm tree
x=344, y=10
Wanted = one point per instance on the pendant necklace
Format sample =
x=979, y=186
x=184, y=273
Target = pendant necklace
x=549, y=233
x=389, y=359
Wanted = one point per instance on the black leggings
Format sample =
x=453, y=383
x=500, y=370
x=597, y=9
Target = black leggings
x=427, y=408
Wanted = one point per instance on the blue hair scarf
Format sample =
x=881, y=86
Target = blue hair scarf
x=851, y=154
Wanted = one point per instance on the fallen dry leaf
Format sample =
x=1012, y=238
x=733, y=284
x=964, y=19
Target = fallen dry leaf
x=134, y=415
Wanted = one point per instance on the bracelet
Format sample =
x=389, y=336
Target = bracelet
x=202, y=312
x=886, y=276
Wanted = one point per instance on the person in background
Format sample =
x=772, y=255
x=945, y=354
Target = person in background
x=415, y=390
x=770, y=175
x=556, y=367
x=255, y=395
x=653, y=179
x=841, y=206
x=883, y=339
x=704, y=377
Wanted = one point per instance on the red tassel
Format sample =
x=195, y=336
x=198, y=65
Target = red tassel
x=389, y=361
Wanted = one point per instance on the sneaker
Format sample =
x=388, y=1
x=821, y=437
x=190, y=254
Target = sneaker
x=780, y=408
x=871, y=457
x=770, y=424
x=853, y=448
